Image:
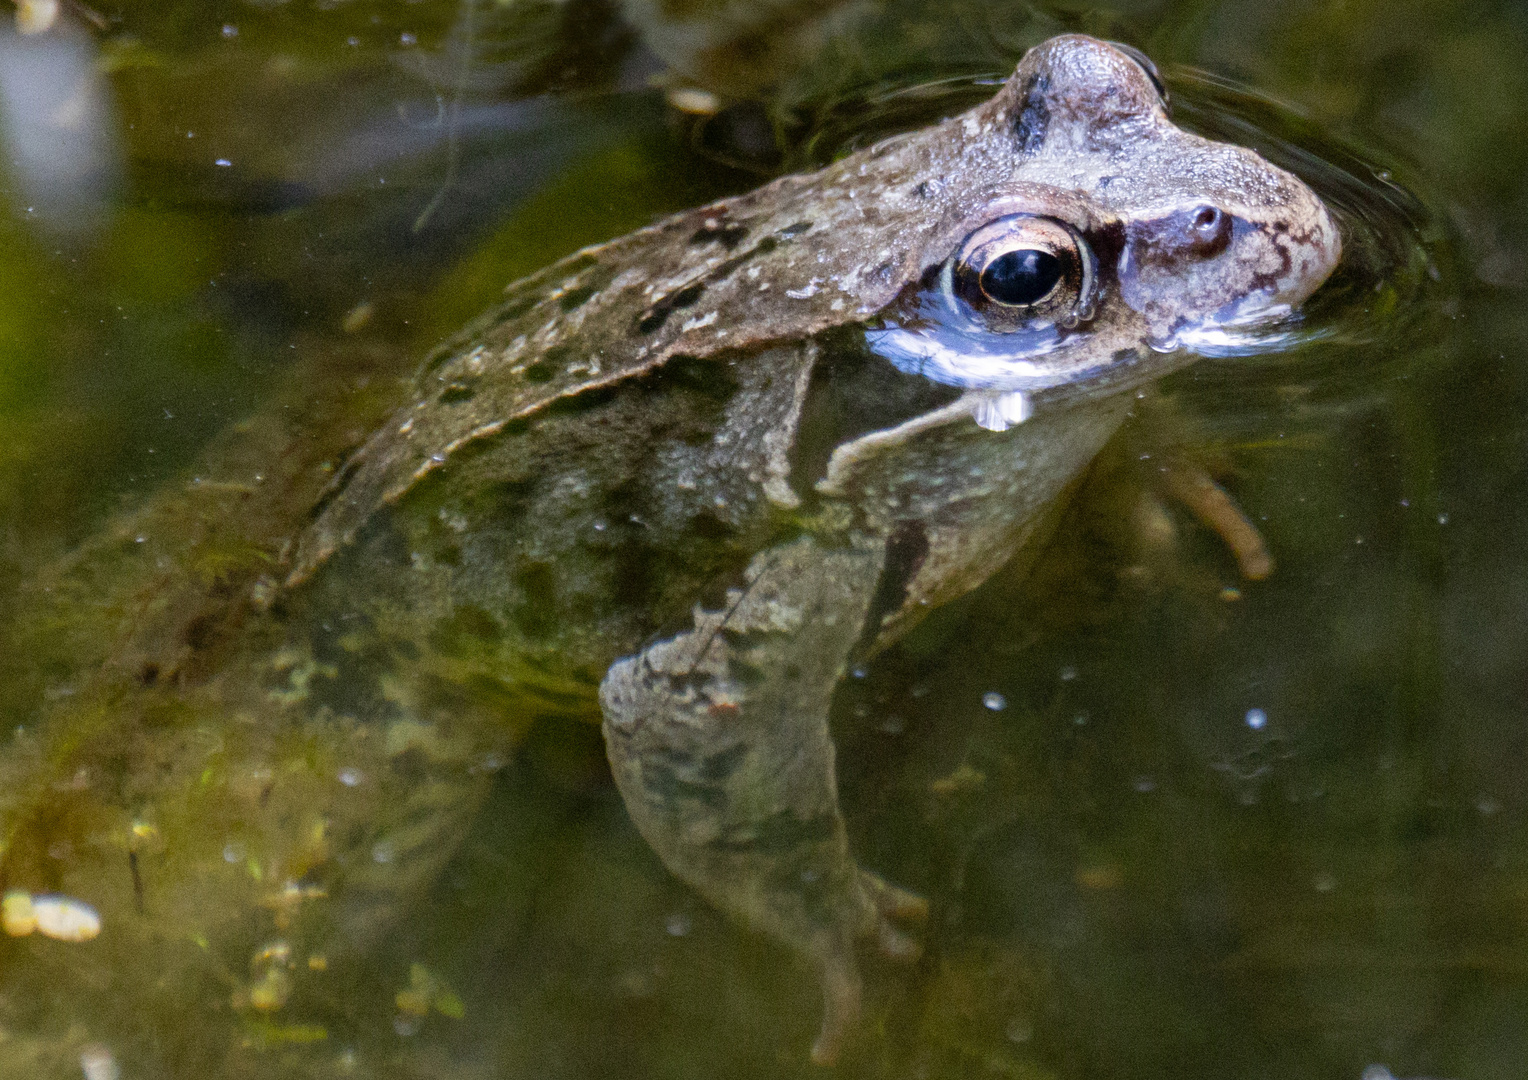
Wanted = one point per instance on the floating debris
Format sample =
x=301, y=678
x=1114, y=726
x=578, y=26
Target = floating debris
x=964, y=779
x=424, y=992
x=693, y=100
x=16, y=915
x=35, y=16
x=272, y=991
x=272, y=982
x=62, y=918
x=65, y=918
x=98, y=1063
x=357, y=318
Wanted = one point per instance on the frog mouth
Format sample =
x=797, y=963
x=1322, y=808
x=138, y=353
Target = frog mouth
x=1027, y=360
x=1260, y=324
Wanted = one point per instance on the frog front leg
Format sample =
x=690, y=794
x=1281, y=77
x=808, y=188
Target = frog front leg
x=718, y=739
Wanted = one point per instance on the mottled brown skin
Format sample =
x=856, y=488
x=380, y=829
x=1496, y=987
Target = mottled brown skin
x=717, y=736
x=667, y=481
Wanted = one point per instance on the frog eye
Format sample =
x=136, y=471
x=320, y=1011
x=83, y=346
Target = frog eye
x=1021, y=277
x=1023, y=271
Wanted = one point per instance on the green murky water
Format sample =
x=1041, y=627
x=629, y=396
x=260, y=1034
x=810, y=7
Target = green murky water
x=1171, y=824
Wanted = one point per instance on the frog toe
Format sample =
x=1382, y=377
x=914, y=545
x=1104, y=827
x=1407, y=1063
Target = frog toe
x=841, y=998
x=1192, y=485
x=893, y=901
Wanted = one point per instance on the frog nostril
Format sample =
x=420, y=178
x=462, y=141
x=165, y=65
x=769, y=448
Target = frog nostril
x=1209, y=231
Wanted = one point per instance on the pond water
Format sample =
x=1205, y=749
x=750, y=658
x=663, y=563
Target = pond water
x=1170, y=823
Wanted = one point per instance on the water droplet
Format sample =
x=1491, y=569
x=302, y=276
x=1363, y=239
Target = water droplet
x=406, y=39
x=233, y=852
x=1144, y=784
x=382, y=852
x=677, y=924
x=230, y=30
x=994, y=701
x=1257, y=719
x=1324, y=882
x=1068, y=673
x=222, y=161
x=350, y=776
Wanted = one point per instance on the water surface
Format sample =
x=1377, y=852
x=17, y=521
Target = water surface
x=1171, y=823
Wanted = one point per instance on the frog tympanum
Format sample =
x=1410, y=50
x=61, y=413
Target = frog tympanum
x=685, y=478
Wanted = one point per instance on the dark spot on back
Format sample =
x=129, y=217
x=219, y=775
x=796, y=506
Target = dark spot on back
x=456, y=393
x=658, y=314
x=1034, y=115
x=582, y=402
x=687, y=296
x=539, y=372
x=575, y=298
x=652, y=319
x=728, y=234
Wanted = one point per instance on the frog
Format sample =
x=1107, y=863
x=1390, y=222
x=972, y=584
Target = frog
x=679, y=484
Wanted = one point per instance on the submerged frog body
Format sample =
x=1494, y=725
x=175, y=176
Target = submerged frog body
x=680, y=481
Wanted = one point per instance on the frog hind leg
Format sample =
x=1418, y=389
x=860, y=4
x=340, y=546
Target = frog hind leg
x=718, y=740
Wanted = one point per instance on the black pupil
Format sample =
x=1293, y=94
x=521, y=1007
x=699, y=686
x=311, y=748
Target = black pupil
x=1021, y=277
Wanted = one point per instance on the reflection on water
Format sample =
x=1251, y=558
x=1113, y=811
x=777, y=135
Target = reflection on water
x=1170, y=823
